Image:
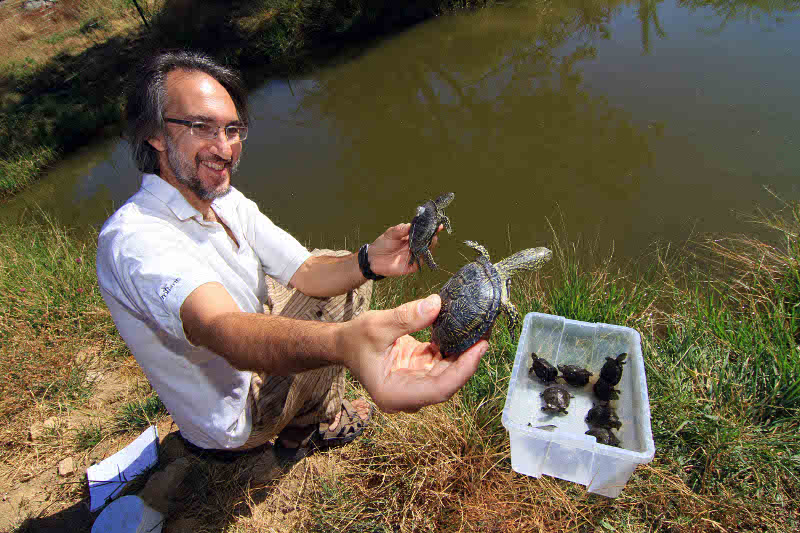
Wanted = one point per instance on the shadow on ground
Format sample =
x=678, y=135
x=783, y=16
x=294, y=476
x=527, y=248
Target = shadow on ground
x=211, y=492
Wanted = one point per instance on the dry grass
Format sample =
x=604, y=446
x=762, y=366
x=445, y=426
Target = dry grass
x=69, y=26
x=718, y=466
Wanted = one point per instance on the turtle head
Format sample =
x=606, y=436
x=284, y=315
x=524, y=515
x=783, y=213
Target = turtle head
x=526, y=260
x=420, y=210
x=444, y=200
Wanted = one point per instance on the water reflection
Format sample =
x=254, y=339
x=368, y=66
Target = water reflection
x=626, y=116
x=648, y=15
x=491, y=106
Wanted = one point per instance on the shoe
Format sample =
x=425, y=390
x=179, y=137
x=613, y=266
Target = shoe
x=314, y=437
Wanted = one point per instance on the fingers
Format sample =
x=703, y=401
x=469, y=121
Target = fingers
x=411, y=316
x=434, y=389
x=398, y=232
x=459, y=371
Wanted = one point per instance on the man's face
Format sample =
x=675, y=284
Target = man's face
x=202, y=166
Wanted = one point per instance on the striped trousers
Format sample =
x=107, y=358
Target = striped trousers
x=308, y=397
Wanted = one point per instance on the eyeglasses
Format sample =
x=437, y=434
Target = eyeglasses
x=207, y=132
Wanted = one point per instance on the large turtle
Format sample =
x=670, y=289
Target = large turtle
x=472, y=299
x=423, y=228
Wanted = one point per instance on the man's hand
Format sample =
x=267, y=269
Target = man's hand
x=389, y=255
x=398, y=371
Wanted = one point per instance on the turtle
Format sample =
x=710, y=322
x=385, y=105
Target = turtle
x=604, y=436
x=472, y=299
x=611, y=372
x=603, y=415
x=556, y=399
x=542, y=369
x=575, y=375
x=423, y=228
x=605, y=391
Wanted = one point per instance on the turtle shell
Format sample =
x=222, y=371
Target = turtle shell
x=470, y=304
x=423, y=228
x=612, y=369
x=542, y=369
x=604, y=436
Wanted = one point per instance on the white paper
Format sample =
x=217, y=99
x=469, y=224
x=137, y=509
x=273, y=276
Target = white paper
x=107, y=478
x=128, y=514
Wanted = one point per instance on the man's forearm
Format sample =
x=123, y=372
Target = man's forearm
x=323, y=276
x=272, y=344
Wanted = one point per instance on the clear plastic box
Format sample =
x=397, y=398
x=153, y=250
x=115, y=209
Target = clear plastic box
x=556, y=444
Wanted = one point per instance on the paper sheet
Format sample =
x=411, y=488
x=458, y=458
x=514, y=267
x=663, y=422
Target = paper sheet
x=107, y=478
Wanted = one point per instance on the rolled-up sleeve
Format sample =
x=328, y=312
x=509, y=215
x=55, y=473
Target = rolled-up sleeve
x=151, y=274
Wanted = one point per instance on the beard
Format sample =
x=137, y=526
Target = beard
x=185, y=171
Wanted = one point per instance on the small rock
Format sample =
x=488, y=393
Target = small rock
x=66, y=467
x=84, y=356
x=93, y=376
x=36, y=432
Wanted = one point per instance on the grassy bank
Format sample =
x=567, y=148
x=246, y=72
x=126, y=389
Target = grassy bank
x=719, y=324
x=61, y=80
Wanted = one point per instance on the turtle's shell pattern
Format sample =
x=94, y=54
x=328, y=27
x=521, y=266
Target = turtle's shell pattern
x=470, y=304
x=423, y=228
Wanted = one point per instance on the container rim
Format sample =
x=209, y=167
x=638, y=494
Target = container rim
x=583, y=442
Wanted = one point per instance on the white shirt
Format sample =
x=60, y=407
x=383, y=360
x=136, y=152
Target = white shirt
x=151, y=254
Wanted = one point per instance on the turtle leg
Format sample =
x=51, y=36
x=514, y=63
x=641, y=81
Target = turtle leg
x=513, y=316
x=429, y=259
x=446, y=222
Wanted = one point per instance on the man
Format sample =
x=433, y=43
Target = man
x=182, y=268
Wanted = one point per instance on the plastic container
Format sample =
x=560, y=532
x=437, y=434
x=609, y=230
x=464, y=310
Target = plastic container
x=556, y=444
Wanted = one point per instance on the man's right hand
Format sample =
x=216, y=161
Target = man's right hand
x=400, y=372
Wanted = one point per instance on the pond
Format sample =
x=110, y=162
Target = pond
x=621, y=124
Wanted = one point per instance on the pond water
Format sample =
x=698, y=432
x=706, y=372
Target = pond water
x=619, y=123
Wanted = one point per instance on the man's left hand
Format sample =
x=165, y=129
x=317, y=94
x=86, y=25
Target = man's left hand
x=390, y=254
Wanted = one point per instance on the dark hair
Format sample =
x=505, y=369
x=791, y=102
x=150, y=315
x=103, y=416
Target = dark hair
x=147, y=98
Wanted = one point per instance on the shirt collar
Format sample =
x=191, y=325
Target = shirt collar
x=171, y=196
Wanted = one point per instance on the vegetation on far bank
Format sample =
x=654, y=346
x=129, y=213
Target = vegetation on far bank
x=720, y=331
x=64, y=68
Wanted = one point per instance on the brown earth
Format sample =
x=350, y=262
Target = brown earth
x=195, y=494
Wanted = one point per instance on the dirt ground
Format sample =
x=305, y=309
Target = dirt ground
x=196, y=494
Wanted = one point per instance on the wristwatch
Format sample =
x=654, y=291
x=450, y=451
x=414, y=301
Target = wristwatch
x=363, y=263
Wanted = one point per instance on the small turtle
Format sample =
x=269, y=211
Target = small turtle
x=472, y=299
x=542, y=369
x=604, y=436
x=604, y=416
x=605, y=391
x=423, y=228
x=575, y=375
x=556, y=399
x=611, y=372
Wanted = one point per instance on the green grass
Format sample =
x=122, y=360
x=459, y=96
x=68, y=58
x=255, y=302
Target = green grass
x=138, y=415
x=50, y=310
x=88, y=436
x=719, y=339
x=720, y=342
x=21, y=169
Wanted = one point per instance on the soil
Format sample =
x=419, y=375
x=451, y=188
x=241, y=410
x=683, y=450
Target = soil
x=254, y=493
